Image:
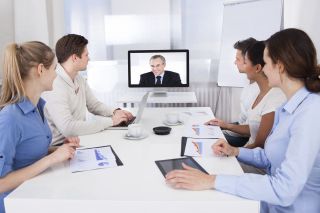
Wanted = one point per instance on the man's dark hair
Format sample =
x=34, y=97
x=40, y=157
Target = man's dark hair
x=243, y=45
x=255, y=53
x=68, y=45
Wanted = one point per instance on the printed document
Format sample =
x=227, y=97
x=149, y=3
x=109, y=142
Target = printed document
x=93, y=158
x=203, y=131
x=199, y=147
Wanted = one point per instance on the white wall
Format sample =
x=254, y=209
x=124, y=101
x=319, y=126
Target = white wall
x=202, y=27
x=56, y=21
x=6, y=27
x=154, y=26
x=31, y=21
x=304, y=14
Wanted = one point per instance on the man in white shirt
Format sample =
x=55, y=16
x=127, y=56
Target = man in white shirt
x=71, y=96
x=249, y=93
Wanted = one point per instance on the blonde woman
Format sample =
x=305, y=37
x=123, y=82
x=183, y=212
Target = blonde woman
x=29, y=70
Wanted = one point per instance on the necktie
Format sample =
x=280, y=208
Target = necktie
x=158, y=81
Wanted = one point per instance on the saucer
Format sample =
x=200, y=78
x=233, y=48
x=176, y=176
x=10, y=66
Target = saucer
x=172, y=124
x=144, y=135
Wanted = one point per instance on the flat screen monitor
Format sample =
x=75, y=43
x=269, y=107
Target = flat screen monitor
x=158, y=68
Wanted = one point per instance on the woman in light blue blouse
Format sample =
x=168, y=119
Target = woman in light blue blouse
x=29, y=69
x=291, y=154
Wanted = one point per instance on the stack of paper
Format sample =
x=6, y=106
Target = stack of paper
x=198, y=140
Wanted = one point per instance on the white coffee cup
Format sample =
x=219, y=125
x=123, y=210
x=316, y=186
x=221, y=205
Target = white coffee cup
x=172, y=117
x=134, y=130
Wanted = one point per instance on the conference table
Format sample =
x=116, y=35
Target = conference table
x=138, y=185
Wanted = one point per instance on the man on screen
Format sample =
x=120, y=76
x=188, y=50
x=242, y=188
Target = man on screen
x=159, y=76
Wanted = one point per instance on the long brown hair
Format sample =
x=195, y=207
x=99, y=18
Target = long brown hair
x=18, y=61
x=295, y=50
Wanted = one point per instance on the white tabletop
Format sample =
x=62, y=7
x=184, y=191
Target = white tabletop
x=171, y=97
x=138, y=186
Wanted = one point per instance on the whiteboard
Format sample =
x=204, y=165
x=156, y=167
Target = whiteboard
x=256, y=18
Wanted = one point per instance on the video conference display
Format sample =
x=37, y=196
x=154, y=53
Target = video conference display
x=158, y=68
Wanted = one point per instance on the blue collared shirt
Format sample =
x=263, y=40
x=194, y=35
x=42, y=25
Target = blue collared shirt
x=24, y=137
x=291, y=157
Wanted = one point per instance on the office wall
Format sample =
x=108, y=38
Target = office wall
x=30, y=21
x=152, y=25
x=297, y=13
x=6, y=27
x=304, y=15
x=56, y=21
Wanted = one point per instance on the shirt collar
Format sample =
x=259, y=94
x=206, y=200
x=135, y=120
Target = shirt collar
x=161, y=75
x=26, y=106
x=294, y=102
x=63, y=74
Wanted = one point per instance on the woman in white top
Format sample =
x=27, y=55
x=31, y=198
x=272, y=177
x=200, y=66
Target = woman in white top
x=248, y=94
x=261, y=114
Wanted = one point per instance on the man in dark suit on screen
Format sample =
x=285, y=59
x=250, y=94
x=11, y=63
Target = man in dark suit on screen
x=159, y=76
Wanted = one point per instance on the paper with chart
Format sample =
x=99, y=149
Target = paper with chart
x=199, y=147
x=203, y=131
x=93, y=158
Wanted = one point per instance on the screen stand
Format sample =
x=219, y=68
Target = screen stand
x=159, y=93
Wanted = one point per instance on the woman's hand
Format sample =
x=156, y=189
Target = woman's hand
x=222, y=148
x=74, y=140
x=190, y=178
x=63, y=153
x=217, y=122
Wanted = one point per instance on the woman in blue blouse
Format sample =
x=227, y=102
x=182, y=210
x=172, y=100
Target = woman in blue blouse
x=29, y=69
x=291, y=154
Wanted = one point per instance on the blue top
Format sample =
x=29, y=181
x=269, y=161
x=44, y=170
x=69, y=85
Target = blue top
x=291, y=158
x=25, y=137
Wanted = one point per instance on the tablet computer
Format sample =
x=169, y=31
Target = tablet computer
x=168, y=165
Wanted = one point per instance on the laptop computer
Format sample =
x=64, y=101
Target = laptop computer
x=135, y=119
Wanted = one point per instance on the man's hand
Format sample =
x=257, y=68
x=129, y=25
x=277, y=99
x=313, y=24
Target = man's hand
x=121, y=116
x=74, y=140
x=124, y=113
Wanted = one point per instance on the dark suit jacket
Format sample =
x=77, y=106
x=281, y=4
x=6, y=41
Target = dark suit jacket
x=170, y=79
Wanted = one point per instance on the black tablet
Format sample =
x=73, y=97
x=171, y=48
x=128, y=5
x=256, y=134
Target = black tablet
x=166, y=166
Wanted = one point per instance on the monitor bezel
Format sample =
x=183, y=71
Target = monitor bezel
x=157, y=51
